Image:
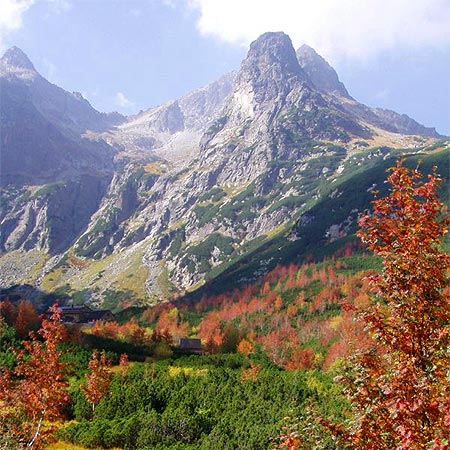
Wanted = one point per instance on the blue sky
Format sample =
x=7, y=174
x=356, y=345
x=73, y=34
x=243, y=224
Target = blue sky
x=128, y=55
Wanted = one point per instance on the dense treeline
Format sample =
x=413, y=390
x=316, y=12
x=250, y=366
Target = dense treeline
x=186, y=402
x=295, y=314
x=198, y=403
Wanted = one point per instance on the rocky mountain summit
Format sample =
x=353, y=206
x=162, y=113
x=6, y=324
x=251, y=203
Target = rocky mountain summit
x=172, y=131
x=320, y=73
x=15, y=61
x=136, y=209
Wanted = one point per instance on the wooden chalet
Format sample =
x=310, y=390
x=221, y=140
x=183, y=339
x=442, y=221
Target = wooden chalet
x=189, y=345
x=84, y=314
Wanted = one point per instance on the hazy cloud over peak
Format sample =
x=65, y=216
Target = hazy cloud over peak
x=344, y=29
x=123, y=101
x=11, y=12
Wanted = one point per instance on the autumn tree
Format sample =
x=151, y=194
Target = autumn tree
x=8, y=311
x=400, y=389
x=245, y=347
x=37, y=387
x=27, y=319
x=98, y=378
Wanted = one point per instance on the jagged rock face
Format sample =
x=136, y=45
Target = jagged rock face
x=326, y=80
x=40, y=128
x=204, y=105
x=198, y=182
x=272, y=109
x=269, y=72
x=173, y=130
x=52, y=177
x=189, y=220
x=170, y=119
x=266, y=77
x=123, y=200
x=50, y=217
x=385, y=119
x=35, y=150
x=323, y=76
x=401, y=123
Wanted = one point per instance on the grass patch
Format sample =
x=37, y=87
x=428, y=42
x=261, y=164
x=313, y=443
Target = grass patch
x=164, y=281
x=47, y=189
x=133, y=278
x=61, y=445
x=155, y=168
x=52, y=279
x=188, y=371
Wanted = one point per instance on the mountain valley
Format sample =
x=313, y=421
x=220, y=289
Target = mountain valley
x=264, y=166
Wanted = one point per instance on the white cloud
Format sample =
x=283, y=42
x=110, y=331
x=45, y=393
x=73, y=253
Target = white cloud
x=123, y=101
x=11, y=12
x=353, y=29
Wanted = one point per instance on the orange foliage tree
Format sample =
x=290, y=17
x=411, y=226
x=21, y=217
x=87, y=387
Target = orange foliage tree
x=98, y=378
x=37, y=387
x=400, y=390
x=27, y=319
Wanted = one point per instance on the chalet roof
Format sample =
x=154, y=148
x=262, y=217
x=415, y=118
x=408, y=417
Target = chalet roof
x=83, y=314
x=186, y=343
x=74, y=308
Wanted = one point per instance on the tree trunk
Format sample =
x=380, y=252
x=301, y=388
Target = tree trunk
x=38, y=429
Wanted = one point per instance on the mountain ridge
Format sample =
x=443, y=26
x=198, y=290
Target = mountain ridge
x=192, y=185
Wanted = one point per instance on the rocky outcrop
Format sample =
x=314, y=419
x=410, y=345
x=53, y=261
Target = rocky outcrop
x=51, y=216
x=258, y=148
x=320, y=73
x=15, y=59
x=326, y=80
x=170, y=119
x=401, y=123
x=172, y=131
x=52, y=177
x=36, y=151
x=41, y=126
x=273, y=114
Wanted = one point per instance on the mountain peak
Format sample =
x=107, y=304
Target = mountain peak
x=266, y=76
x=15, y=57
x=274, y=48
x=323, y=76
x=305, y=49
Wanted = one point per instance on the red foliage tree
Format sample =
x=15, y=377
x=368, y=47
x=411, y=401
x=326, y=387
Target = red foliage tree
x=123, y=361
x=37, y=387
x=401, y=390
